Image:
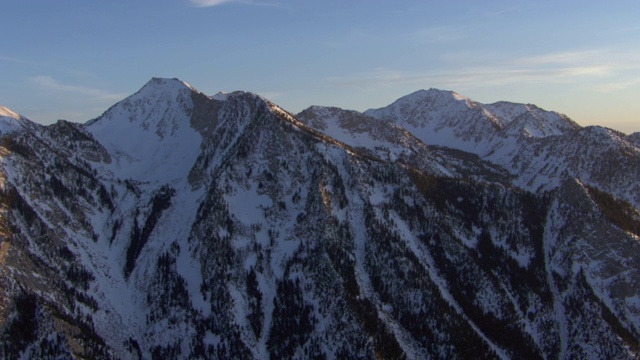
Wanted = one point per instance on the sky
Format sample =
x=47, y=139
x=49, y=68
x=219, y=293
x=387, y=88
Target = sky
x=73, y=59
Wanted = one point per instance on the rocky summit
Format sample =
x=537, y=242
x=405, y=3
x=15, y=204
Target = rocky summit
x=179, y=225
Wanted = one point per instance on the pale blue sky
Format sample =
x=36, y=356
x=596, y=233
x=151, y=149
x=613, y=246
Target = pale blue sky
x=73, y=59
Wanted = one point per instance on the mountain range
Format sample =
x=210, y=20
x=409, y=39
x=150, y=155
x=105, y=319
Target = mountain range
x=183, y=225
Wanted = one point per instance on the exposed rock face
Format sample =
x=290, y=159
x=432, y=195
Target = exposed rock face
x=179, y=225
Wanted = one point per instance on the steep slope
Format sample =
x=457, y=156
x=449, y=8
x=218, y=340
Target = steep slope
x=391, y=142
x=600, y=157
x=12, y=122
x=270, y=239
x=529, y=120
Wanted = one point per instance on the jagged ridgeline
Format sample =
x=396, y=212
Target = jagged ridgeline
x=179, y=225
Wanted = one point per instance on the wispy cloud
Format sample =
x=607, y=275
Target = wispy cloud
x=207, y=3
x=12, y=59
x=439, y=34
x=210, y=3
x=565, y=57
x=492, y=13
x=607, y=69
x=618, y=85
x=481, y=76
x=270, y=94
x=627, y=29
x=47, y=82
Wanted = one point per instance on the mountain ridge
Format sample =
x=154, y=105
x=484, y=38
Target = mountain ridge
x=518, y=137
x=182, y=225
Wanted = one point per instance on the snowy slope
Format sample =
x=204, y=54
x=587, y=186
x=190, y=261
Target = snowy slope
x=11, y=121
x=148, y=134
x=529, y=120
x=391, y=142
x=387, y=141
x=443, y=118
x=600, y=157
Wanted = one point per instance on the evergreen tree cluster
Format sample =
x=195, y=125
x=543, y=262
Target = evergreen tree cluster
x=293, y=321
x=139, y=237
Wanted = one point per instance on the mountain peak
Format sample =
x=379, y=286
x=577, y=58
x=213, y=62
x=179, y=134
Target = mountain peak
x=6, y=112
x=163, y=89
x=150, y=133
x=440, y=92
x=158, y=83
x=426, y=100
x=433, y=94
x=168, y=93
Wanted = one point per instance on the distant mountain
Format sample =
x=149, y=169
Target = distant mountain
x=446, y=118
x=539, y=148
x=182, y=225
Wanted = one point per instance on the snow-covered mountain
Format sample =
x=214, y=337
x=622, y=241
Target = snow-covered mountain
x=539, y=148
x=449, y=119
x=182, y=225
